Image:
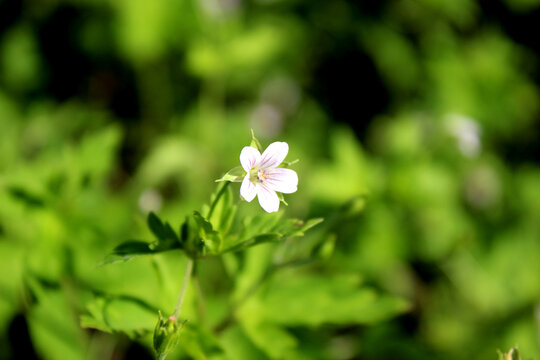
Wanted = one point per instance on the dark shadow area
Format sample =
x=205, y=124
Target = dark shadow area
x=19, y=340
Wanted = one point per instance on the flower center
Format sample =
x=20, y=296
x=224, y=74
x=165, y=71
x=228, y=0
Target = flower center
x=259, y=175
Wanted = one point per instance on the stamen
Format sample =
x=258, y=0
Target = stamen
x=261, y=175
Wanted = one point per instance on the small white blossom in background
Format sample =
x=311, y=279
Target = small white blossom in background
x=267, y=119
x=220, y=9
x=279, y=98
x=150, y=200
x=467, y=133
x=263, y=176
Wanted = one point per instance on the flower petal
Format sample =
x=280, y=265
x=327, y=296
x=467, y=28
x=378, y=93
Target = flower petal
x=274, y=155
x=282, y=180
x=267, y=198
x=249, y=156
x=247, y=189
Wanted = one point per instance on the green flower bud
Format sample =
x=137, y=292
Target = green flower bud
x=166, y=335
x=254, y=142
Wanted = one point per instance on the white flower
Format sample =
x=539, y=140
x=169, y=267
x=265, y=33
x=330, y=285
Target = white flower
x=467, y=132
x=264, y=178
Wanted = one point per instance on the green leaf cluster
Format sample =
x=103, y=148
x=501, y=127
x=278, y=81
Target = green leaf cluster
x=201, y=236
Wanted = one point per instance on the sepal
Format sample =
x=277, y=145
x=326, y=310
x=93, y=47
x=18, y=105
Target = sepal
x=255, y=142
x=287, y=164
x=281, y=198
x=236, y=174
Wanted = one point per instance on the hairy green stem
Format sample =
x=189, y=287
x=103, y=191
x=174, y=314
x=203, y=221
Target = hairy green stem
x=187, y=276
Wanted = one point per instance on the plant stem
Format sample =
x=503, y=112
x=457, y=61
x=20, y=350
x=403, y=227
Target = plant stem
x=187, y=276
x=218, y=196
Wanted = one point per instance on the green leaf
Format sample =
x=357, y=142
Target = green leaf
x=259, y=224
x=259, y=239
x=13, y=261
x=295, y=299
x=189, y=237
x=127, y=315
x=224, y=210
x=127, y=251
x=95, y=319
x=95, y=154
x=131, y=249
x=253, y=227
x=325, y=248
x=163, y=231
x=53, y=328
x=210, y=237
x=264, y=228
x=238, y=346
x=170, y=241
x=28, y=198
x=198, y=343
x=236, y=174
x=199, y=237
x=298, y=227
x=272, y=339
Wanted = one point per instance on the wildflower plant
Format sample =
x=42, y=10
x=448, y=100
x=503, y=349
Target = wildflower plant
x=208, y=232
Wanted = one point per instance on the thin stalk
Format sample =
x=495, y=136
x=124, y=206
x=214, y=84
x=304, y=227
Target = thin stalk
x=218, y=196
x=187, y=276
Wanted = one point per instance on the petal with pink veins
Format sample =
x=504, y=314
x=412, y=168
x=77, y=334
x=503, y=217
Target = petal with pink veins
x=282, y=180
x=268, y=199
x=249, y=156
x=274, y=155
x=247, y=189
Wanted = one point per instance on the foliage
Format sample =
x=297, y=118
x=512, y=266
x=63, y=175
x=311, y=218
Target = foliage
x=416, y=125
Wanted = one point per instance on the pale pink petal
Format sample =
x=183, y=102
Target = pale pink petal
x=249, y=156
x=282, y=180
x=268, y=199
x=247, y=189
x=274, y=155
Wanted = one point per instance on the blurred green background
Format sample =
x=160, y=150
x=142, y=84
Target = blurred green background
x=416, y=123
